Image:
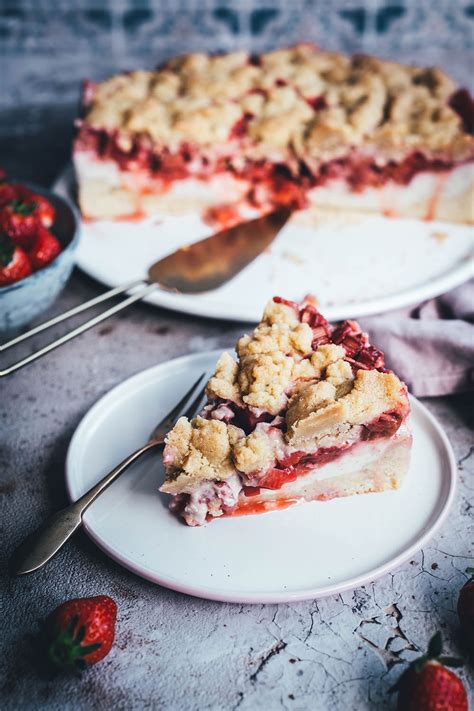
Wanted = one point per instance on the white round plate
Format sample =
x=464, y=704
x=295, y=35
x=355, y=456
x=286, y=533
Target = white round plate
x=354, y=270
x=308, y=551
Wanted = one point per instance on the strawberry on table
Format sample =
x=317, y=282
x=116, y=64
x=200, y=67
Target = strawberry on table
x=14, y=262
x=466, y=610
x=44, y=248
x=19, y=220
x=80, y=632
x=428, y=685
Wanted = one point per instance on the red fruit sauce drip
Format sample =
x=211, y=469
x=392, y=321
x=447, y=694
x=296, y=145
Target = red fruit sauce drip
x=222, y=216
x=253, y=507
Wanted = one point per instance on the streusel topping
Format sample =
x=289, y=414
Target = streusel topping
x=296, y=103
x=196, y=451
x=298, y=384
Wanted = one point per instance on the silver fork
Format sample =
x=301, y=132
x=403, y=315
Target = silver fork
x=40, y=546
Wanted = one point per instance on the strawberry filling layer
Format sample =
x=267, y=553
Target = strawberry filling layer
x=158, y=168
x=298, y=464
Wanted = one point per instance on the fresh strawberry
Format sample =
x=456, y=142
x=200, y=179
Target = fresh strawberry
x=44, y=210
x=7, y=193
x=44, y=249
x=427, y=685
x=80, y=632
x=18, y=219
x=466, y=610
x=14, y=262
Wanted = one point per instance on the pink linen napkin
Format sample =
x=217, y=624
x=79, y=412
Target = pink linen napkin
x=430, y=346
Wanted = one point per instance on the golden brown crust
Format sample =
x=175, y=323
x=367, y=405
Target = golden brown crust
x=361, y=101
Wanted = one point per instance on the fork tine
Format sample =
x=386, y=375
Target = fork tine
x=171, y=417
x=195, y=406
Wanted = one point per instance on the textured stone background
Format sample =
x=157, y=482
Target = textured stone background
x=173, y=651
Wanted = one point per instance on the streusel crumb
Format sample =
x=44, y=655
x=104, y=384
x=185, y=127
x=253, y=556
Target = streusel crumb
x=254, y=452
x=372, y=394
x=223, y=383
x=263, y=380
x=291, y=340
x=297, y=104
x=204, y=453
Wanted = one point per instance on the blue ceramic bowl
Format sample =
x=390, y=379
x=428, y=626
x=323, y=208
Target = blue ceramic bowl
x=24, y=300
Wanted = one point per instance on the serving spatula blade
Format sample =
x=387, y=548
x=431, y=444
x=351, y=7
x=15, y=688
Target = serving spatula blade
x=213, y=261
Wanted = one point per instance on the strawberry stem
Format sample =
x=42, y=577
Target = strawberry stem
x=65, y=649
x=20, y=207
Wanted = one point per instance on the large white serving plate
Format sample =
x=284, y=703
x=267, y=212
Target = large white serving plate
x=310, y=550
x=373, y=265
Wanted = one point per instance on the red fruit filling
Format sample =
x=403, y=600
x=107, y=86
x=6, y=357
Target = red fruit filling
x=240, y=127
x=463, y=104
x=282, y=472
x=273, y=183
x=384, y=426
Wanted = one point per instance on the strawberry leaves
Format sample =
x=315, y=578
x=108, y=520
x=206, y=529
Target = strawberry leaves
x=20, y=207
x=66, y=648
x=80, y=632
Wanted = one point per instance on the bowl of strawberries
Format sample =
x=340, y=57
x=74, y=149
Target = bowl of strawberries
x=38, y=238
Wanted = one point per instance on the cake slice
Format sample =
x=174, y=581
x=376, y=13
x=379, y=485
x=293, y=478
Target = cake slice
x=307, y=412
x=222, y=134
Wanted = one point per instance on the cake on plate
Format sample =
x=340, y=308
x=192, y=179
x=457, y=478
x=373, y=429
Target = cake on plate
x=307, y=412
x=298, y=126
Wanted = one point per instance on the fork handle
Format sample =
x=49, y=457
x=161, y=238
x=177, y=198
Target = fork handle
x=40, y=546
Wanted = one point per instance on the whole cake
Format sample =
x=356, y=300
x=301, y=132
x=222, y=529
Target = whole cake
x=296, y=126
x=308, y=412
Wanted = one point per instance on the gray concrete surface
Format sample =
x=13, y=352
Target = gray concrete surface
x=174, y=651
